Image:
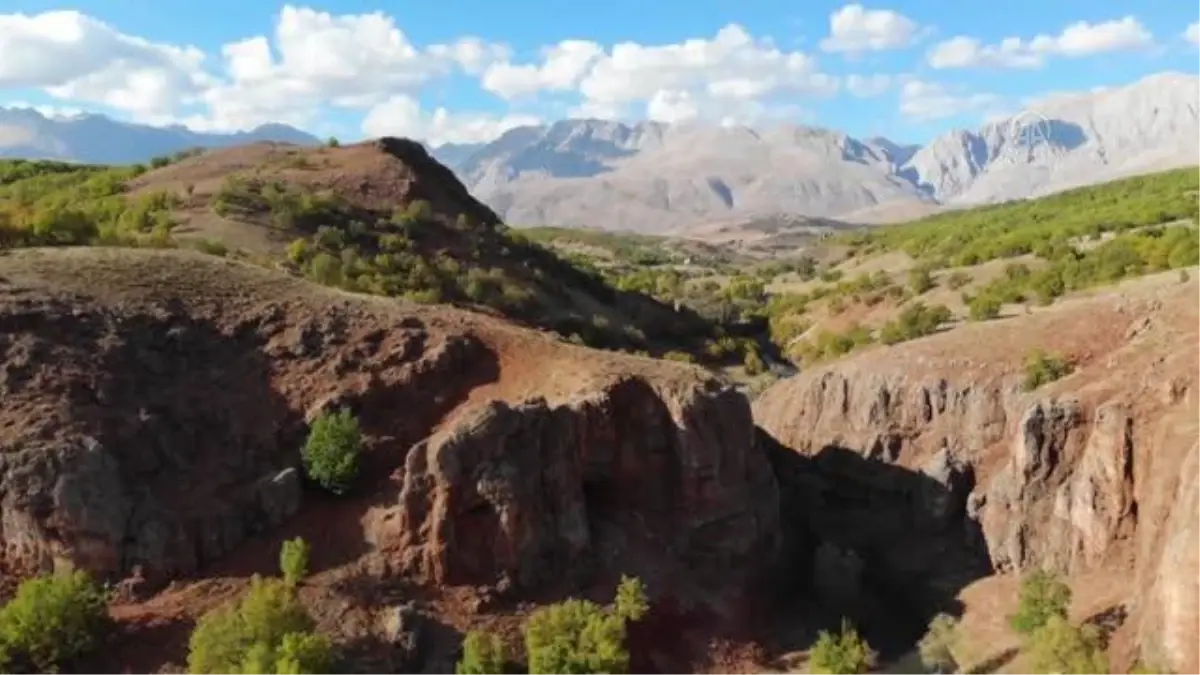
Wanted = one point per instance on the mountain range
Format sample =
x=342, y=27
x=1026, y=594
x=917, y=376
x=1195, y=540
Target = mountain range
x=97, y=139
x=672, y=178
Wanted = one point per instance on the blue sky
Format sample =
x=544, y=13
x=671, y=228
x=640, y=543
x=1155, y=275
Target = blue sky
x=464, y=70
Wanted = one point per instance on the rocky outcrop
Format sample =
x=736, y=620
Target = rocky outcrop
x=630, y=474
x=157, y=428
x=1084, y=474
x=146, y=436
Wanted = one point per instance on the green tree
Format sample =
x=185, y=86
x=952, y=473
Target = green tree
x=50, y=621
x=576, y=636
x=483, y=654
x=631, y=603
x=1057, y=646
x=267, y=631
x=293, y=560
x=842, y=652
x=332, y=450
x=1043, y=595
x=985, y=306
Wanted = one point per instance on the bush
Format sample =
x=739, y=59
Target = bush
x=50, y=621
x=754, y=363
x=1059, y=647
x=920, y=279
x=293, y=560
x=957, y=280
x=844, y=652
x=331, y=452
x=1042, y=368
x=267, y=631
x=936, y=647
x=915, y=321
x=1043, y=596
x=576, y=636
x=483, y=654
x=984, y=307
x=631, y=603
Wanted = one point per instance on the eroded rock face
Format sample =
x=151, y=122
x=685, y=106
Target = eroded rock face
x=147, y=437
x=1092, y=473
x=533, y=491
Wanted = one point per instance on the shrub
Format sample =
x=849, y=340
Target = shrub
x=331, y=452
x=957, y=280
x=915, y=321
x=920, y=279
x=50, y=621
x=1043, y=595
x=333, y=142
x=754, y=363
x=267, y=631
x=1042, y=368
x=843, y=652
x=631, y=603
x=576, y=636
x=1059, y=647
x=984, y=307
x=483, y=654
x=293, y=560
x=938, y=642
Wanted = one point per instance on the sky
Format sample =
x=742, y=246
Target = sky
x=462, y=71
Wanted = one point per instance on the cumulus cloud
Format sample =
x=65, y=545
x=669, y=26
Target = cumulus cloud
x=854, y=28
x=73, y=56
x=312, y=60
x=727, y=75
x=1076, y=40
x=1192, y=34
x=925, y=101
x=402, y=115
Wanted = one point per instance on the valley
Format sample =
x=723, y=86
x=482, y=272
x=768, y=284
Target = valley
x=775, y=427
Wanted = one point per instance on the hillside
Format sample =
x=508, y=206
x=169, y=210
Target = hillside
x=824, y=295
x=379, y=217
x=657, y=178
x=984, y=392
x=96, y=139
x=156, y=400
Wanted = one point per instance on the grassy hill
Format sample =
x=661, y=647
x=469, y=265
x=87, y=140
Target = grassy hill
x=895, y=283
x=379, y=217
x=382, y=217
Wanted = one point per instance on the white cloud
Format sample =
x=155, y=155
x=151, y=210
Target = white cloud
x=865, y=86
x=401, y=115
x=730, y=74
x=925, y=101
x=312, y=60
x=1192, y=34
x=76, y=57
x=562, y=67
x=1076, y=40
x=854, y=28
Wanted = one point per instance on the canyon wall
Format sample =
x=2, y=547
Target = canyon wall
x=1095, y=471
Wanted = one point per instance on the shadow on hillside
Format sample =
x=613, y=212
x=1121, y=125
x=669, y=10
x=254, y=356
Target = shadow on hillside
x=879, y=544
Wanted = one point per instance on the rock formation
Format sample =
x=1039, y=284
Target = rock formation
x=155, y=404
x=1093, y=472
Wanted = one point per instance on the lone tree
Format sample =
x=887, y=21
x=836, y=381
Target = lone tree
x=1060, y=647
x=50, y=621
x=483, y=654
x=579, y=636
x=936, y=646
x=267, y=631
x=843, y=652
x=1043, y=595
x=293, y=560
x=331, y=452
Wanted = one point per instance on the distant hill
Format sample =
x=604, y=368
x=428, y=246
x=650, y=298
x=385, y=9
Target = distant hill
x=96, y=139
x=653, y=177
